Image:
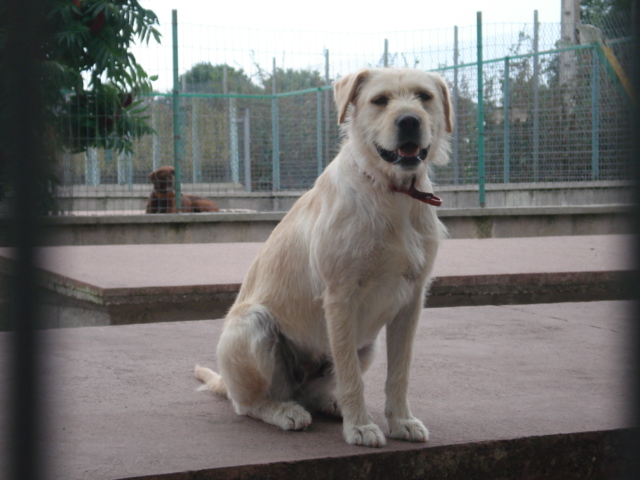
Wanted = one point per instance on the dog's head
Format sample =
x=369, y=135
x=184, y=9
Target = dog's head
x=403, y=116
x=163, y=179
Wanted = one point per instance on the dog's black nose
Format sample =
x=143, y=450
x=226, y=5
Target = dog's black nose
x=408, y=122
x=408, y=128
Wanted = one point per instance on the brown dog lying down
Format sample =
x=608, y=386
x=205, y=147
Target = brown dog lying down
x=163, y=196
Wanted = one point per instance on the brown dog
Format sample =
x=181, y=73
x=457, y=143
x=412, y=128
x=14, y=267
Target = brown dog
x=163, y=196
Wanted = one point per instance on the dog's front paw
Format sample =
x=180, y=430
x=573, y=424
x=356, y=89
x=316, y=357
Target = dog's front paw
x=292, y=416
x=368, y=435
x=410, y=429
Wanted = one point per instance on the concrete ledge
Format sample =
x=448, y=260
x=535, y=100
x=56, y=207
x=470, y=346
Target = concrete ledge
x=576, y=456
x=527, y=392
x=122, y=284
x=501, y=222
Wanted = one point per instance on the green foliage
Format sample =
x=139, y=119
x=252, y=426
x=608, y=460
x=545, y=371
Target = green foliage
x=611, y=16
x=92, y=78
x=290, y=80
x=206, y=78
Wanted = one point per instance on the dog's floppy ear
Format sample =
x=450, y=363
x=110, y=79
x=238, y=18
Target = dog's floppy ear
x=448, y=108
x=152, y=176
x=345, y=92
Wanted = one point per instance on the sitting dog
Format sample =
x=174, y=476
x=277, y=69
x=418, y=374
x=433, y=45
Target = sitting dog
x=353, y=255
x=163, y=196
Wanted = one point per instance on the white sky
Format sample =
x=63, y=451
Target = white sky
x=352, y=16
x=295, y=33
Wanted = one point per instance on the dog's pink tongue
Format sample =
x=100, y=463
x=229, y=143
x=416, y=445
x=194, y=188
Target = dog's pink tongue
x=409, y=150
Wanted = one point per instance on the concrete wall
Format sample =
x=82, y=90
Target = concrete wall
x=256, y=227
x=512, y=210
x=115, y=198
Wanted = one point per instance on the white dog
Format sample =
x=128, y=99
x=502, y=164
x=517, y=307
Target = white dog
x=353, y=255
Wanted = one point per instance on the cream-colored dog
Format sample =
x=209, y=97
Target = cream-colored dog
x=353, y=255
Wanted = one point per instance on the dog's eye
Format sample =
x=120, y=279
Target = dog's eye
x=424, y=96
x=380, y=101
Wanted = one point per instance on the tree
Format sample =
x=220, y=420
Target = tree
x=610, y=16
x=90, y=81
x=96, y=79
x=206, y=78
x=290, y=80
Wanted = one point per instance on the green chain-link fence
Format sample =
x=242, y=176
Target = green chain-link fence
x=552, y=110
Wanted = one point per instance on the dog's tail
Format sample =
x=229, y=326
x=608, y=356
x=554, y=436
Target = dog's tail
x=212, y=381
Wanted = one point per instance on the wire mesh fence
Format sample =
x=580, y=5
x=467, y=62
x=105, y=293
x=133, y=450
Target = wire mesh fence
x=253, y=111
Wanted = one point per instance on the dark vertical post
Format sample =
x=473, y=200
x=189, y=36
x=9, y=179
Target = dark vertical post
x=23, y=130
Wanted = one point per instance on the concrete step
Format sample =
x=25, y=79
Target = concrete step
x=123, y=284
x=526, y=391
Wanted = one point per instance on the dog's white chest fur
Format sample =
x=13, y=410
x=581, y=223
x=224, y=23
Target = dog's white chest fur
x=377, y=246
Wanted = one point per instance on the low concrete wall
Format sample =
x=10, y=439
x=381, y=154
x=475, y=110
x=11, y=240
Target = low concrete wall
x=540, y=194
x=537, y=221
x=120, y=198
x=256, y=227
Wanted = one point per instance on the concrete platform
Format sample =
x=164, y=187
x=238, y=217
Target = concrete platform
x=123, y=284
x=529, y=391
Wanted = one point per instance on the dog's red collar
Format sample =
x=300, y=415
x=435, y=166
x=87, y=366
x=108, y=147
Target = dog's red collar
x=413, y=192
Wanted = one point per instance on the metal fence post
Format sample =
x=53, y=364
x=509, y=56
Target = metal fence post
x=595, y=121
x=233, y=141
x=177, y=139
x=327, y=101
x=506, y=105
x=120, y=166
x=129, y=171
x=319, y=146
x=456, y=98
x=91, y=167
x=196, y=161
x=481, y=159
x=156, y=137
x=536, y=100
x=385, y=57
x=275, y=132
x=247, y=150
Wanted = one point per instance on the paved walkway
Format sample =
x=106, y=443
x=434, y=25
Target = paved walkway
x=149, y=266
x=515, y=378
x=121, y=284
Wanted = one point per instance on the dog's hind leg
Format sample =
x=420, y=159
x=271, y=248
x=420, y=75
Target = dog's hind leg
x=249, y=364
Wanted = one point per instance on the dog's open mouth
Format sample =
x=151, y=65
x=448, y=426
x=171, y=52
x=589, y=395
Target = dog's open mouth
x=408, y=154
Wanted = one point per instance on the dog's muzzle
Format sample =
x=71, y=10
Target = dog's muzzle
x=406, y=156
